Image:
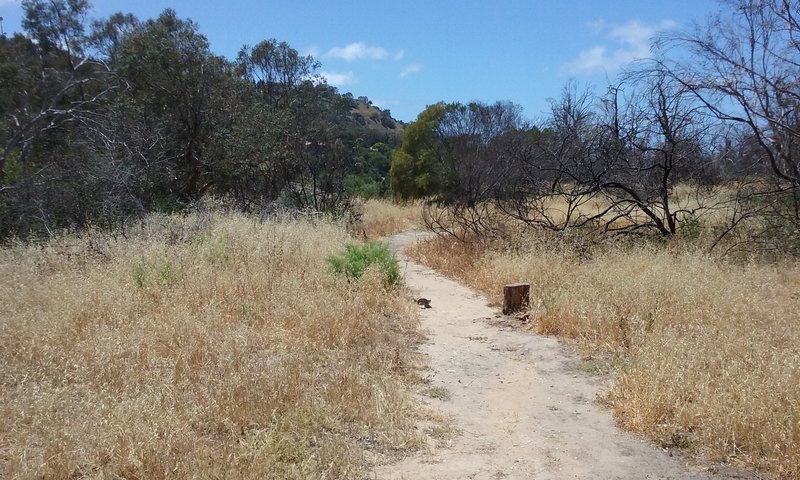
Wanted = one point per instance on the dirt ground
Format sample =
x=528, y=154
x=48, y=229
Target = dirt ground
x=519, y=404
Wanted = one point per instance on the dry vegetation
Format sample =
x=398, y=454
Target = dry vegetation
x=382, y=218
x=707, y=352
x=206, y=346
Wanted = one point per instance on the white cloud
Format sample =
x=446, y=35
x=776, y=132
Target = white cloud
x=411, y=69
x=589, y=61
x=624, y=43
x=357, y=51
x=638, y=33
x=399, y=55
x=337, y=79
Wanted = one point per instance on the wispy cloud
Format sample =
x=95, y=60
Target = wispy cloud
x=399, y=55
x=623, y=44
x=357, y=51
x=411, y=69
x=339, y=79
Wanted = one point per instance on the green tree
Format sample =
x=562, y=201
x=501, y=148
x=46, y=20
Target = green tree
x=456, y=152
x=140, y=115
x=372, y=165
x=276, y=69
x=48, y=81
x=173, y=78
x=51, y=97
x=108, y=34
x=320, y=149
x=57, y=25
x=299, y=143
x=416, y=169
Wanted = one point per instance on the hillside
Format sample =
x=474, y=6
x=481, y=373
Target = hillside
x=372, y=117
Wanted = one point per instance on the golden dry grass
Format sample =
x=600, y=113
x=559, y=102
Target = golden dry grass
x=711, y=206
x=385, y=217
x=204, y=346
x=707, y=351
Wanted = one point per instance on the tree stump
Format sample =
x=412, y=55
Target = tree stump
x=516, y=296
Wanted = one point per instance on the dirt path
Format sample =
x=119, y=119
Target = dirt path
x=522, y=407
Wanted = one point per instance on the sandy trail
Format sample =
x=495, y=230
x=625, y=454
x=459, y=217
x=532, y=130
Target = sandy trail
x=523, y=409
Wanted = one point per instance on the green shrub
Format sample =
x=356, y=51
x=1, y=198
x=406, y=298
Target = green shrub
x=146, y=273
x=355, y=260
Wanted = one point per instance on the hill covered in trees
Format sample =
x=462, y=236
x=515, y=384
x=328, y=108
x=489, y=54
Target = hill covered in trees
x=108, y=119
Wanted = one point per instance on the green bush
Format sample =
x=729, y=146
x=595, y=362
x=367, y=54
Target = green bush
x=355, y=260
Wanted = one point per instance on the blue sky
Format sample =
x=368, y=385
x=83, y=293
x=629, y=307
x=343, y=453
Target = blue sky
x=406, y=55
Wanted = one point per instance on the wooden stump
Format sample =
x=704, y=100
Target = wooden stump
x=516, y=296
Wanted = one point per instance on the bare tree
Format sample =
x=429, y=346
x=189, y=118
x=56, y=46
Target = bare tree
x=613, y=163
x=745, y=68
x=477, y=143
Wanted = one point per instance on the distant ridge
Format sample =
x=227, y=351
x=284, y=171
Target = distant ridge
x=373, y=118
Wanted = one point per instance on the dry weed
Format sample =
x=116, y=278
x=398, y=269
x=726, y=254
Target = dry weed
x=710, y=349
x=201, y=347
x=384, y=217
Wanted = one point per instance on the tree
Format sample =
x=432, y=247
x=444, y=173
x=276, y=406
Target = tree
x=108, y=35
x=458, y=156
x=173, y=78
x=50, y=82
x=416, y=166
x=303, y=143
x=372, y=164
x=317, y=149
x=137, y=116
x=613, y=163
x=57, y=26
x=744, y=67
x=50, y=105
x=276, y=69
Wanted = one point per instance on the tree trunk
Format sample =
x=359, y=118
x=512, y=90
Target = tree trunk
x=516, y=296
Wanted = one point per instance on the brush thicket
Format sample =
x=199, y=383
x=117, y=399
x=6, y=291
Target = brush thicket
x=206, y=345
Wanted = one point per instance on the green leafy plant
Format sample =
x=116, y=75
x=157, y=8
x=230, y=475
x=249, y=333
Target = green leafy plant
x=140, y=275
x=245, y=309
x=355, y=260
x=146, y=273
x=167, y=274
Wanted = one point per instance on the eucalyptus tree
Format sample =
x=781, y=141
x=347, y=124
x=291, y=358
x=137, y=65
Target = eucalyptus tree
x=276, y=69
x=173, y=79
x=50, y=101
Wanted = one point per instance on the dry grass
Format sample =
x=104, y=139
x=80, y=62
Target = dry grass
x=384, y=217
x=206, y=346
x=709, y=351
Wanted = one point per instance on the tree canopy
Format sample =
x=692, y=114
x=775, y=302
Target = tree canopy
x=417, y=165
x=107, y=119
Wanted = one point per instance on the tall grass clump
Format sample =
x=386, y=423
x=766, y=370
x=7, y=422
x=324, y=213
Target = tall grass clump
x=206, y=345
x=706, y=350
x=384, y=217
